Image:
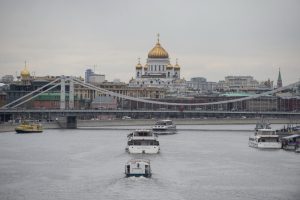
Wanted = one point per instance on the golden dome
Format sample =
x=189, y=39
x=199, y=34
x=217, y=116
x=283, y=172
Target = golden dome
x=158, y=51
x=139, y=66
x=25, y=73
x=146, y=67
x=177, y=67
x=169, y=66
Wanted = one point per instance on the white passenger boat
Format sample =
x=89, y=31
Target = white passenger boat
x=138, y=167
x=164, y=127
x=143, y=141
x=265, y=139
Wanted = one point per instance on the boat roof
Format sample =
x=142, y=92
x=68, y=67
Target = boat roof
x=133, y=161
x=165, y=120
x=265, y=129
x=271, y=136
x=291, y=136
x=143, y=130
x=142, y=134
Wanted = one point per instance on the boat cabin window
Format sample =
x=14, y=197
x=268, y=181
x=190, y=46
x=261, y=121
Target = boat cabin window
x=268, y=140
x=146, y=133
x=161, y=123
x=143, y=142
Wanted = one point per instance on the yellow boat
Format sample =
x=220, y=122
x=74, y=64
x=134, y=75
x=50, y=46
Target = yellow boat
x=27, y=127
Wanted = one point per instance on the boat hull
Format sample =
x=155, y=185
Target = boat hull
x=28, y=131
x=138, y=175
x=164, y=130
x=265, y=145
x=143, y=149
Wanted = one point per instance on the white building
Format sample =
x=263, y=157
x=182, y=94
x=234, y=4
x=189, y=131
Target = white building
x=96, y=78
x=201, y=85
x=158, y=71
x=93, y=78
x=234, y=83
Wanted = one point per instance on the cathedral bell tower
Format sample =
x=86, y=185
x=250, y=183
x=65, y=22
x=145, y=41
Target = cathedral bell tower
x=139, y=69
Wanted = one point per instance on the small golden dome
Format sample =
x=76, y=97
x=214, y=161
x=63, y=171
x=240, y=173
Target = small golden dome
x=139, y=66
x=169, y=66
x=25, y=73
x=158, y=51
x=177, y=67
x=146, y=67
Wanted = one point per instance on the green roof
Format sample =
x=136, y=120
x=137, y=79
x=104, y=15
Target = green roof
x=53, y=96
x=237, y=94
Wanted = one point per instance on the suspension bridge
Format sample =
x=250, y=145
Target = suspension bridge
x=137, y=107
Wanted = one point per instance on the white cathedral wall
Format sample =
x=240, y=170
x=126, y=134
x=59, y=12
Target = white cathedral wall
x=156, y=65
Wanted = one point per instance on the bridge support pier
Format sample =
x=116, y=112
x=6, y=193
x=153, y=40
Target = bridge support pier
x=67, y=122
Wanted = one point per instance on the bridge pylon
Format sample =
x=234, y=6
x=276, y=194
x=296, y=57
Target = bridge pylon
x=71, y=94
x=62, y=93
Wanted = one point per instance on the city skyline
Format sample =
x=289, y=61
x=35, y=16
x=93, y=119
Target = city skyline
x=211, y=39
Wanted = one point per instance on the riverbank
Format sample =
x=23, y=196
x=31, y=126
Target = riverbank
x=104, y=124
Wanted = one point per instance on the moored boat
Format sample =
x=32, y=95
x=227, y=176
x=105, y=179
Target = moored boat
x=28, y=127
x=265, y=139
x=288, y=130
x=142, y=141
x=291, y=142
x=164, y=127
x=138, y=167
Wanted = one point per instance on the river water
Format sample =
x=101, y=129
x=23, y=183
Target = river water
x=89, y=165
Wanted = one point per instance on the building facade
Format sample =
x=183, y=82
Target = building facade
x=200, y=85
x=93, y=78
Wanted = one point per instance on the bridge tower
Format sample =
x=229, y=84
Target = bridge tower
x=71, y=94
x=62, y=93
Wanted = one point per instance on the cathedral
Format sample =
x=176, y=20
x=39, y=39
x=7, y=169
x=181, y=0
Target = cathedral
x=158, y=70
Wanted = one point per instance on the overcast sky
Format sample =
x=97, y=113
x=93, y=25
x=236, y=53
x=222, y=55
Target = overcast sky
x=211, y=39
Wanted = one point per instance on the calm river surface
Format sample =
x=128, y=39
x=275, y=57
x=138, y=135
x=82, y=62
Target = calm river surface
x=89, y=165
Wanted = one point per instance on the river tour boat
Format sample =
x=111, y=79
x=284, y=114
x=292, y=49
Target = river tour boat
x=137, y=168
x=265, y=139
x=143, y=141
x=164, y=127
x=291, y=142
x=29, y=127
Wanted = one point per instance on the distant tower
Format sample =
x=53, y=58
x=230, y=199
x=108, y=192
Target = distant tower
x=279, y=80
